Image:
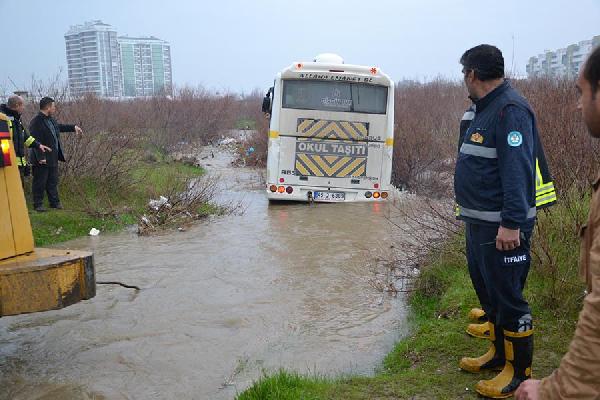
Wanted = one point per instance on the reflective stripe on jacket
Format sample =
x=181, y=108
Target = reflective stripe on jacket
x=21, y=137
x=545, y=193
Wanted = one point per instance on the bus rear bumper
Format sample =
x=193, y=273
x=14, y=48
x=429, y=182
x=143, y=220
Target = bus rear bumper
x=307, y=193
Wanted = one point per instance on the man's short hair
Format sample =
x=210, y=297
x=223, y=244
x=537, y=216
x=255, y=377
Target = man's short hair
x=46, y=102
x=591, y=69
x=14, y=102
x=485, y=60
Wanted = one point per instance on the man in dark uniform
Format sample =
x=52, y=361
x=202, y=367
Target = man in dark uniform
x=495, y=187
x=45, y=165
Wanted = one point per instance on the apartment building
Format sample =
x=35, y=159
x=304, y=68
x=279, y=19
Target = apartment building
x=565, y=62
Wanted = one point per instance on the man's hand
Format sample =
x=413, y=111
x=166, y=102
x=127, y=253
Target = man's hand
x=78, y=130
x=528, y=390
x=45, y=149
x=507, y=239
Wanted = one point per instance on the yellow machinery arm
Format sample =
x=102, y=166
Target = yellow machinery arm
x=33, y=279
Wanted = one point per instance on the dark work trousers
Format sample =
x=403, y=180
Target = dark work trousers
x=499, y=276
x=45, y=179
x=22, y=174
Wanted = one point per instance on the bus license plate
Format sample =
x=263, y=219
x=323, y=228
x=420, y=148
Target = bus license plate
x=330, y=196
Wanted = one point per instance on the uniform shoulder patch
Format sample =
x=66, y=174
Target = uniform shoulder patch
x=477, y=137
x=515, y=139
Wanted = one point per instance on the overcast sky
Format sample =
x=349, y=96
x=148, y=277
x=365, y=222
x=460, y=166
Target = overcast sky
x=240, y=45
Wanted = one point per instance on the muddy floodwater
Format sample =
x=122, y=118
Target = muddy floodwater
x=284, y=285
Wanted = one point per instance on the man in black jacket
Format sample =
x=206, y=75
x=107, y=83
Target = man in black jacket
x=13, y=109
x=45, y=164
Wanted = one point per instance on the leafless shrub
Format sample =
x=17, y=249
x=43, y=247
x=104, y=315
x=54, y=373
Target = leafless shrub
x=192, y=115
x=555, y=249
x=426, y=135
x=259, y=140
x=391, y=276
x=119, y=134
x=106, y=154
x=55, y=87
x=185, y=201
x=420, y=227
x=572, y=154
x=573, y=157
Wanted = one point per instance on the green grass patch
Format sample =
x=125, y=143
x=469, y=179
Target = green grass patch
x=88, y=206
x=285, y=385
x=245, y=123
x=424, y=365
x=57, y=226
x=154, y=179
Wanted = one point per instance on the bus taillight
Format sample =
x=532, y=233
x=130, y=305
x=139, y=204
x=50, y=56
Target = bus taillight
x=281, y=189
x=384, y=195
x=281, y=180
x=376, y=195
x=273, y=188
x=368, y=195
x=289, y=190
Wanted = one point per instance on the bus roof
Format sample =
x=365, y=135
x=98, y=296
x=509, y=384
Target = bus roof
x=336, y=72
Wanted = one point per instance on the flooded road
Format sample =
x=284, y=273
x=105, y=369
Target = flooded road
x=284, y=285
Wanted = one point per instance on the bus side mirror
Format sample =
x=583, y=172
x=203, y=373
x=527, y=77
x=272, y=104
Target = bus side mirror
x=266, y=105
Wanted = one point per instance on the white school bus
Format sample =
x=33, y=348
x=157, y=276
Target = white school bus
x=331, y=132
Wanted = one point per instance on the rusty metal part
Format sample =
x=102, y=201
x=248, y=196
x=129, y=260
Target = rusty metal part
x=46, y=279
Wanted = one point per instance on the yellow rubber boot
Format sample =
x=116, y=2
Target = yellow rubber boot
x=480, y=331
x=493, y=359
x=518, y=349
x=477, y=315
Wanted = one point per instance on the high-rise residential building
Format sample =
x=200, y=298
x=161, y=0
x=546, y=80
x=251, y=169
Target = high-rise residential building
x=565, y=62
x=93, y=60
x=146, y=66
x=107, y=65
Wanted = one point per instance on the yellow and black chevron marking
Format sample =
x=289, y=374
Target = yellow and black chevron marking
x=326, y=129
x=330, y=159
x=330, y=166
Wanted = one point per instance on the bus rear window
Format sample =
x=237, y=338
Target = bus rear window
x=335, y=96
